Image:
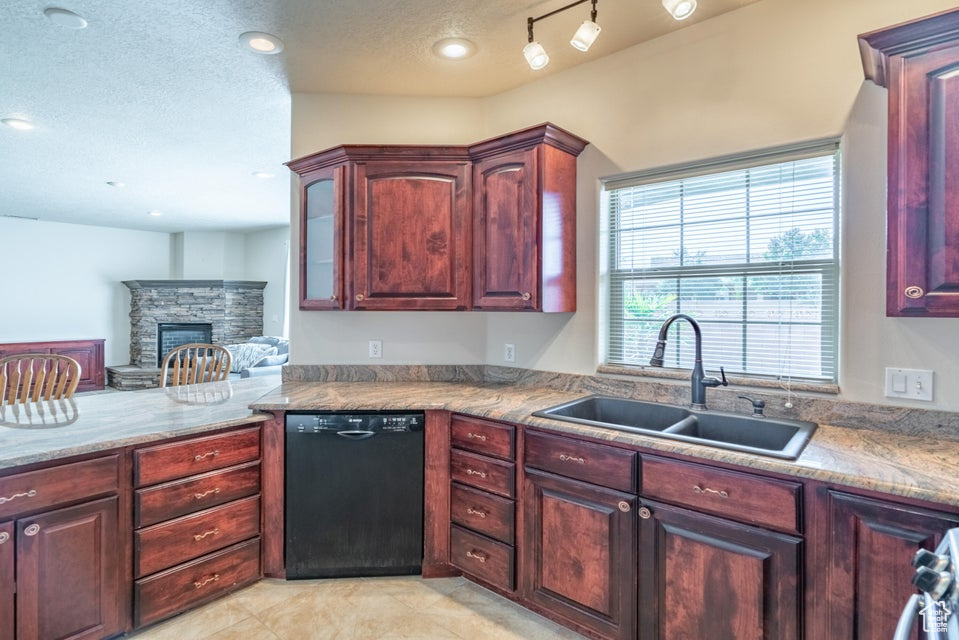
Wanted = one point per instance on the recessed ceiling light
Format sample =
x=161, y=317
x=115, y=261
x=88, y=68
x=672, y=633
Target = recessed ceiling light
x=263, y=174
x=155, y=213
x=18, y=123
x=454, y=48
x=65, y=18
x=117, y=184
x=260, y=42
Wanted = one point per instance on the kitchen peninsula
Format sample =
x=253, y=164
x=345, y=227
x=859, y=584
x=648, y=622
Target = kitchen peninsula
x=797, y=518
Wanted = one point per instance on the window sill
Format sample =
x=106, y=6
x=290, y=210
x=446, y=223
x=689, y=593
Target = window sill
x=659, y=373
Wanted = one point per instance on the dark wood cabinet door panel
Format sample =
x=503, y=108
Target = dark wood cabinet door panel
x=165, y=545
x=410, y=246
x=69, y=558
x=704, y=577
x=869, y=570
x=917, y=62
x=172, y=499
x=197, y=455
x=7, y=555
x=89, y=353
x=580, y=553
x=169, y=592
x=506, y=222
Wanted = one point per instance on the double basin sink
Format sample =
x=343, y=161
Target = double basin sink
x=751, y=434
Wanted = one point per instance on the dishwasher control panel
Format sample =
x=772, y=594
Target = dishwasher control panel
x=378, y=422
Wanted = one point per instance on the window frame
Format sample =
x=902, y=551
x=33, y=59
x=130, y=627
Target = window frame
x=827, y=267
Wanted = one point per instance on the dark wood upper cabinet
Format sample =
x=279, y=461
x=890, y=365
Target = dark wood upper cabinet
x=918, y=62
x=524, y=221
x=490, y=226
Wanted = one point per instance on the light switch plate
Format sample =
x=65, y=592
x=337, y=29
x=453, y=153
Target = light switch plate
x=914, y=384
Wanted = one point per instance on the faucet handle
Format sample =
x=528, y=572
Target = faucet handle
x=722, y=373
x=758, y=405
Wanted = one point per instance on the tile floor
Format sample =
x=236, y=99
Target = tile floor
x=360, y=609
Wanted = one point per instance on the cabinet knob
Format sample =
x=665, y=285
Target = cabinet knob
x=623, y=506
x=32, y=530
x=645, y=513
x=332, y=298
x=527, y=295
x=914, y=292
x=4, y=537
x=359, y=297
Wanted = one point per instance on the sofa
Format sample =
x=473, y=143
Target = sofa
x=258, y=356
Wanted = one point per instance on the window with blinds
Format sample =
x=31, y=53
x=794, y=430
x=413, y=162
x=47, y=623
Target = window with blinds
x=746, y=246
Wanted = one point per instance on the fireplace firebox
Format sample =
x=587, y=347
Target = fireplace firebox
x=171, y=335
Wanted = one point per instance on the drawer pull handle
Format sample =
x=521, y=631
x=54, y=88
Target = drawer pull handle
x=476, y=512
x=477, y=436
x=214, y=578
x=199, y=536
x=208, y=454
x=4, y=537
x=577, y=459
x=25, y=494
x=473, y=472
x=719, y=492
x=32, y=530
x=477, y=555
x=200, y=496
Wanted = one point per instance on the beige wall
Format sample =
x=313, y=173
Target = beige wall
x=773, y=73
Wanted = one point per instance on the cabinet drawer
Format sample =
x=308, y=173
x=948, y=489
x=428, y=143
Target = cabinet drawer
x=593, y=463
x=740, y=496
x=481, y=557
x=486, y=473
x=483, y=512
x=164, y=545
x=197, y=455
x=170, y=592
x=179, y=497
x=483, y=436
x=33, y=490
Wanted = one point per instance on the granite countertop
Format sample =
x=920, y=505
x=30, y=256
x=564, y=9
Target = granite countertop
x=93, y=422
x=903, y=465
x=915, y=467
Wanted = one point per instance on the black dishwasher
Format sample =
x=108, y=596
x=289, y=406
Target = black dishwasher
x=354, y=494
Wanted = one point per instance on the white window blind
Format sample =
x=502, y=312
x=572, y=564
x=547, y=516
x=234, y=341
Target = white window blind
x=750, y=252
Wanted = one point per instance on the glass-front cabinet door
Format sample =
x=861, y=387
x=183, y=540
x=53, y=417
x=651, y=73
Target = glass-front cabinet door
x=321, y=239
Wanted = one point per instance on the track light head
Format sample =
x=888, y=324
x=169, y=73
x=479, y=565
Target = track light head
x=535, y=55
x=585, y=36
x=680, y=9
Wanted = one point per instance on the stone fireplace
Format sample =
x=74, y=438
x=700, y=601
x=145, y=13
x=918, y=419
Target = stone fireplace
x=232, y=308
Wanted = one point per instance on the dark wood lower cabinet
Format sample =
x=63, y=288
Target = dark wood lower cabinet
x=869, y=561
x=67, y=573
x=580, y=559
x=6, y=580
x=706, y=577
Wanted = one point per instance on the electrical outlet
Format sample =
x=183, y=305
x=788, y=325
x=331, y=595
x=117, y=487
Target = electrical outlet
x=509, y=352
x=376, y=348
x=914, y=384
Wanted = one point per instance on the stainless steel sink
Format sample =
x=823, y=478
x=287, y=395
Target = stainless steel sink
x=774, y=437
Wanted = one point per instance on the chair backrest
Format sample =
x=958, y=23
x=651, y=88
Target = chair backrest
x=195, y=363
x=29, y=377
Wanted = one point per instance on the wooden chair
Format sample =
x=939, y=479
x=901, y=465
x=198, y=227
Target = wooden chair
x=30, y=377
x=195, y=363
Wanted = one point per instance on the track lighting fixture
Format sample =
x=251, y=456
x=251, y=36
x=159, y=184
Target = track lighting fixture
x=584, y=37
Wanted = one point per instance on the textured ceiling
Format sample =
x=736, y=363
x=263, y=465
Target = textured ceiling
x=162, y=97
